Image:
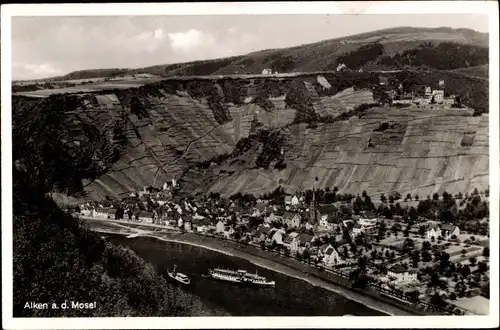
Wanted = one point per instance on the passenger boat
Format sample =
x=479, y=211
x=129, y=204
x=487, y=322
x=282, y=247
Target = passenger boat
x=240, y=276
x=179, y=277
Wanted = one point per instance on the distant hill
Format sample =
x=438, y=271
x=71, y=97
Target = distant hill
x=393, y=48
x=480, y=71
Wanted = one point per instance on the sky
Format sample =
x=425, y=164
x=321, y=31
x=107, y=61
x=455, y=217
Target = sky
x=49, y=46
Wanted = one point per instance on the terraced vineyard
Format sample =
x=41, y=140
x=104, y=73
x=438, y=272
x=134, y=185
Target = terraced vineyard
x=146, y=136
x=422, y=154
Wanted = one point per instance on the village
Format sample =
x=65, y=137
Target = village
x=413, y=246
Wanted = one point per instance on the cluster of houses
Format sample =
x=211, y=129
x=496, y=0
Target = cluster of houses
x=419, y=94
x=294, y=225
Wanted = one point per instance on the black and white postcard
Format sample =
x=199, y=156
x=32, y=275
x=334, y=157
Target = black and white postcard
x=249, y=165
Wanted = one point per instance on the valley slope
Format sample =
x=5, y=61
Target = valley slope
x=252, y=135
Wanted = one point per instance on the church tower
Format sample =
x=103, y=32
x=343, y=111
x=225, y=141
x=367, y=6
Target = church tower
x=313, y=212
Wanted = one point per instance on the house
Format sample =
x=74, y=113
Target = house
x=180, y=222
x=368, y=222
x=261, y=207
x=400, y=274
x=324, y=222
x=295, y=201
x=86, y=212
x=278, y=236
x=357, y=229
x=291, y=242
x=438, y=96
x=273, y=217
x=348, y=224
x=341, y=67
x=188, y=224
x=428, y=91
x=329, y=255
x=219, y=227
x=255, y=214
x=267, y=71
x=111, y=213
x=448, y=230
x=291, y=219
x=433, y=231
x=145, y=216
x=288, y=200
x=261, y=233
x=99, y=213
x=304, y=241
x=228, y=231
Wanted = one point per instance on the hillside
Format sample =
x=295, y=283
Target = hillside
x=325, y=55
x=480, y=71
x=57, y=259
x=258, y=133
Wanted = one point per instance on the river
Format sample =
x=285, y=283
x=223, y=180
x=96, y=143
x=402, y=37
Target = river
x=290, y=297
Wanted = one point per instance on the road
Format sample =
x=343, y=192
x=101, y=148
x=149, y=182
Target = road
x=125, y=222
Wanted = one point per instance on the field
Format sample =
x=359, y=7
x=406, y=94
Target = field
x=88, y=87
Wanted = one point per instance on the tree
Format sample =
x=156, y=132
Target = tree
x=383, y=199
x=435, y=281
x=408, y=196
x=486, y=252
x=472, y=260
x=353, y=248
x=463, y=252
x=408, y=245
x=416, y=259
x=426, y=256
x=413, y=295
x=465, y=271
x=435, y=196
x=306, y=255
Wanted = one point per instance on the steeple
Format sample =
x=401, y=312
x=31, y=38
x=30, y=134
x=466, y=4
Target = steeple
x=312, y=208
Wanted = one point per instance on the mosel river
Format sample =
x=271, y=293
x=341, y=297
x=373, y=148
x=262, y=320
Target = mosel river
x=290, y=297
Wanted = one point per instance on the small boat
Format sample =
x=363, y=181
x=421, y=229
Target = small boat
x=179, y=277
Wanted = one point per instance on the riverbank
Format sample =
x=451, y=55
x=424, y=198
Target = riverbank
x=281, y=265
x=285, y=266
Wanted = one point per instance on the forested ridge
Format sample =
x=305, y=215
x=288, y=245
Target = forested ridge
x=55, y=257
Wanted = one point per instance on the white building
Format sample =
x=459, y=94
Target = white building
x=291, y=242
x=341, y=67
x=146, y=217
x=329, y=255
x=291, y=219
x=449, y=230
x=400, y=274
x=219, y=227
x=438, y=96
x=278, y=236
x=86, y=212
x=267, y=71
x=324, y=223
x=99, y=213
x=433, y=231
